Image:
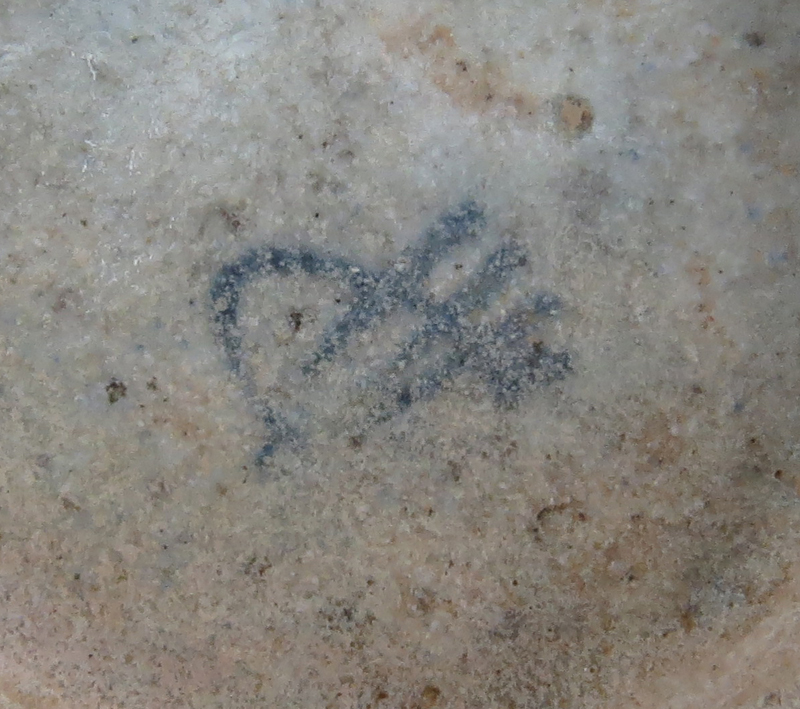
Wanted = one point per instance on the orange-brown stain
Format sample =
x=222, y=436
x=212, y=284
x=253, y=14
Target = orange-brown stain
x=473, y=85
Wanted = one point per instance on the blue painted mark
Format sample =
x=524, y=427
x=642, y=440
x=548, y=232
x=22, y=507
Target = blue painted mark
x=754, y=213
x=504, y=354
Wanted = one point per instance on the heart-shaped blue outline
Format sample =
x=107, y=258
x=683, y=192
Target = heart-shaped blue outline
x=500, y=351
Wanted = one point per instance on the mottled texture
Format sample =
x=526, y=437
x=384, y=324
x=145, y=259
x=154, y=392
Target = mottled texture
x=550, y=462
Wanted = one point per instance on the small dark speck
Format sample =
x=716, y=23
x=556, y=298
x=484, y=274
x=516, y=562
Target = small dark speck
x=755, y=39
x=116, y=390
x=316, y=215
x=134, y=40
x=84, y=222
x=296, y=320
x=152, y=385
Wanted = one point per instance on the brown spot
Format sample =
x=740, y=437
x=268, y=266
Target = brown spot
x=440, y=35
x=472, y=85
x=423, y=600
x=755, y=39
x=698, y=269
x=430, y=696
x=551, y=509
x=380, y=695
x=232, y=219
x=296, y=320
x=657, y=445
x=70, y=505
x=116, y=390
x=687, y=620
x=152, y=385
x=157, y=489
x=256, y=569
x=454, y=470
x=575, y=115
x=66, y=298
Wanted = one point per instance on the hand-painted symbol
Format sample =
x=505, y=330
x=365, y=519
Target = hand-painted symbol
x=448, y=340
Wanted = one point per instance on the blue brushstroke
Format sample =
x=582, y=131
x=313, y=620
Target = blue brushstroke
x=505, y=354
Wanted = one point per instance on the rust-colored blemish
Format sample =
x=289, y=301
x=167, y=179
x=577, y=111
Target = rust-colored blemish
x=440, y=35
x=657, y=444
x=473, y=85
x=11, y=692
x=430, y=696
x=623, y=9
x=687, y=619
x=575, y=114
x=698, y=269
